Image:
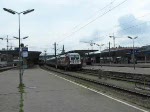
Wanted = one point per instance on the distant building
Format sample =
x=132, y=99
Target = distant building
x=145, y=53
x=3, y=49
x=123, y=55
x=145, y=48
x=33, y=56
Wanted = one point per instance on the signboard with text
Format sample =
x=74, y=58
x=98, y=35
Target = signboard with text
x=24, y=52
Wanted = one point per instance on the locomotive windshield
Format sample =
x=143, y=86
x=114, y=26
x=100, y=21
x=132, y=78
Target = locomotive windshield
x=75, y=57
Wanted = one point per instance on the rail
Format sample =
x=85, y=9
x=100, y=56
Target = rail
x=143, y=94
x=6, y=68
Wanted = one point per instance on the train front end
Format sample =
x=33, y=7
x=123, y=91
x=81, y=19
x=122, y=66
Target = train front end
x=75, y=61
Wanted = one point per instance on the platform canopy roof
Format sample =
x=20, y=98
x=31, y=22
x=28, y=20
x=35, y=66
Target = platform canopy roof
x=31, y=54
x=82, y=52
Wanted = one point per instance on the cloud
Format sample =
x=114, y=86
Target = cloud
x=52, y=18
x=129, y=25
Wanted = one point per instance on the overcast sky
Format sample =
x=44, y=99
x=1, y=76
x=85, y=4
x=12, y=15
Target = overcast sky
x=73, y=22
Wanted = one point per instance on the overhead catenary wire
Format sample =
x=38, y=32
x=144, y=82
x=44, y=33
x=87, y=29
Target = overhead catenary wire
x=90, y=17
x=127, y=28
x=94, y=20
x=135, y=20
x=130, y=27
x=132, y=20
x=96, y=13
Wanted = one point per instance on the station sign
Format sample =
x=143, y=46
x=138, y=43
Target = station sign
x=24, y=49
x=24, y=52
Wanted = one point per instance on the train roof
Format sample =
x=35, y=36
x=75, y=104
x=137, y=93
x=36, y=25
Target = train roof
x=82, y=51
x=73, y=53
x=51, y=58
x=63, y=55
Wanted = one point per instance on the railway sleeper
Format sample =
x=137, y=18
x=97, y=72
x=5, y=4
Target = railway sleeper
x=106, y=84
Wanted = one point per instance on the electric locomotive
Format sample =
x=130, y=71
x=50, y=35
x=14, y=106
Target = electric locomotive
x=66, y=61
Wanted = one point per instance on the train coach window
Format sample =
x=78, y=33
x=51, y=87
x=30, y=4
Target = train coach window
x=75, y=58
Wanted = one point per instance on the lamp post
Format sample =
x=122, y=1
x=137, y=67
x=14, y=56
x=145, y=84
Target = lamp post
x=23, y=12
x=21, y=38
x=133, y=50
x=100, y=53
x=45, y=55
x=100, y=46
x=113, y=39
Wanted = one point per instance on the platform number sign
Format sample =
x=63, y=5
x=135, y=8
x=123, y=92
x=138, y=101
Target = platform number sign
x=24, y=52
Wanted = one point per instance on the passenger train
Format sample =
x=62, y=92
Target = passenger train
x=67, y=61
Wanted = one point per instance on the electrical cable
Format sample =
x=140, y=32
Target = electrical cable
x=115, y=26
x=75, y=27
x=93, y=20
x=133, y=26
x=96, y=13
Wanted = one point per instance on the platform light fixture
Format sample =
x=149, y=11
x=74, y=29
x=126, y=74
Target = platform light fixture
x=100, y=47
x=14, y=12
x=133, y=38
x=21, y=38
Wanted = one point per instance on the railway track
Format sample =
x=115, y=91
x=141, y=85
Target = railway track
x=138, y=79
x=6, y=68
x=91, y=80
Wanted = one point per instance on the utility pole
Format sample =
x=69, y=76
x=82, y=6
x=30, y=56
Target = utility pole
x=100, y=53
x=133, y=50
x=109, y=54
x=55, y=49
x=55, y=54
x=113, y=39
x=63, y=50
x=7, y=39
x=7, y=49
x=45, y=56
x=100, y=45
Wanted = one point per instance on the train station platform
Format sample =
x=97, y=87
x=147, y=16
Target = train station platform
x=121, y=69
x=47, y=92
x=138, y=65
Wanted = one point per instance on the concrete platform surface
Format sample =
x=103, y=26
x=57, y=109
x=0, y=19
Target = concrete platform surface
x=44, y=92
x=145, y=71
x=138, y=65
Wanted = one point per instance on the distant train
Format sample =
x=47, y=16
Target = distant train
x=88, y=61
x=67, y=61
